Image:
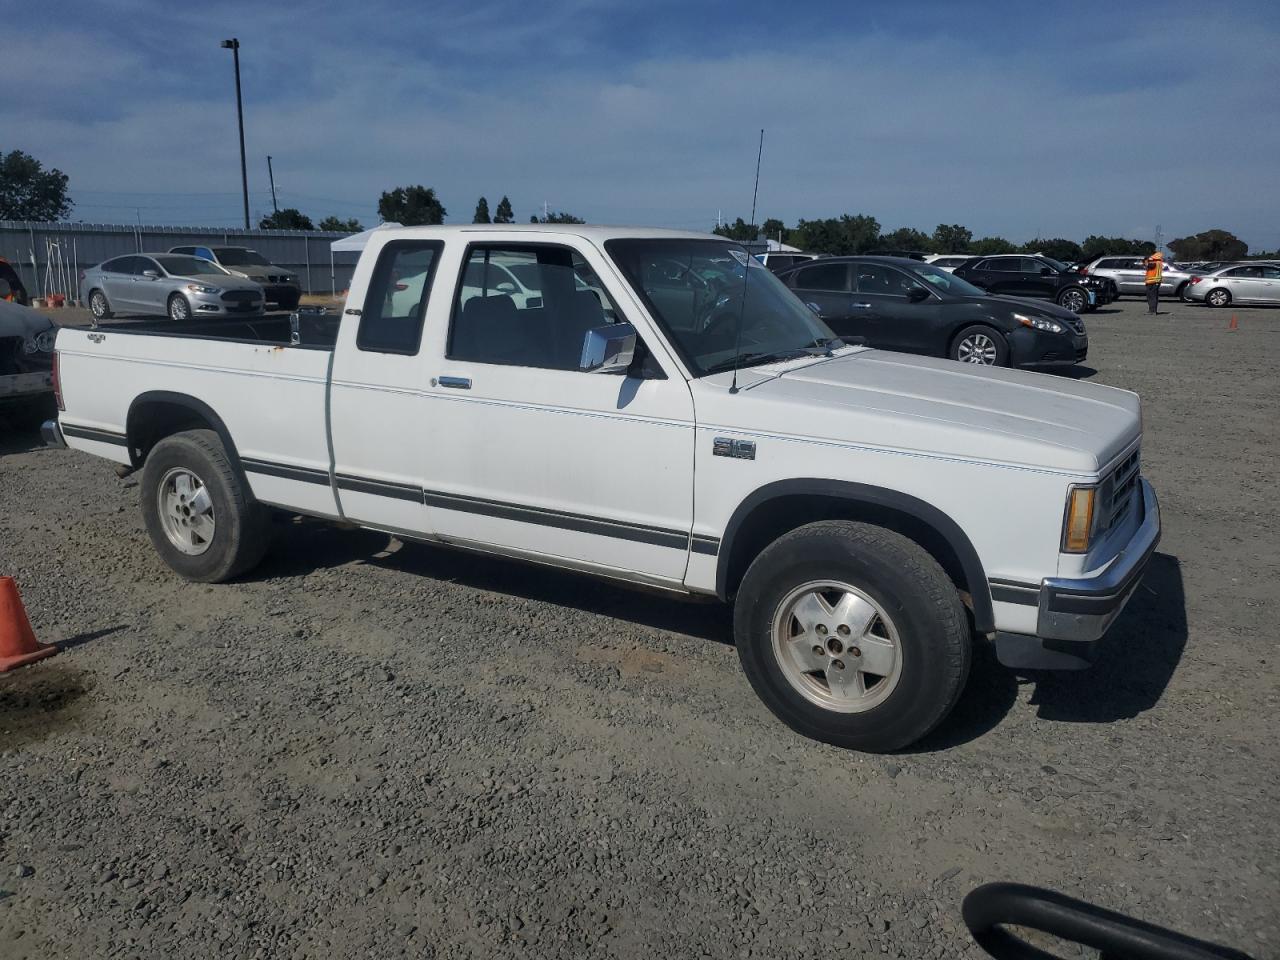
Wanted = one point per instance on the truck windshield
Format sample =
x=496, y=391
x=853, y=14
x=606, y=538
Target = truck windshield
x=240, y=257
x=700, y=291
x=189, y=266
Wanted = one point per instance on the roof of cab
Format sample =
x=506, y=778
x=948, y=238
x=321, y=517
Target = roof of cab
x=593, y=232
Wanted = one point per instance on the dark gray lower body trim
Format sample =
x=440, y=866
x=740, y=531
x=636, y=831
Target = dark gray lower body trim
x=379, y=488
x=708, y=546
x=285, y=471
x=91, y=433
x=1013, y=591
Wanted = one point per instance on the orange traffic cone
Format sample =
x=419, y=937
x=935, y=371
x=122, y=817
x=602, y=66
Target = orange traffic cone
x=18, y=644
x=1233, y=325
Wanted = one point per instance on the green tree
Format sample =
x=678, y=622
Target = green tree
x=504, y=214
x=557, y=216
x=30, y=192
x=344, y=226
x=906, y=238
x=990, y=245
x=839, y=236
x=951, y=238
x=774, y=229
x=290, y=218
x=1098, y=246
x=482, y=212
x=1209, y=245
x=1058, y=248
x=739, y=230
x=411, y=206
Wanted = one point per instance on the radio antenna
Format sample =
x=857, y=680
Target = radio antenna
x=746, y=267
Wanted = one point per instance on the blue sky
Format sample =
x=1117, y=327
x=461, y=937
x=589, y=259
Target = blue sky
x=1011, y=119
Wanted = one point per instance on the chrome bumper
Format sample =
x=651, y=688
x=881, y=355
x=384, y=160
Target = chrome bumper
x=1074, y=614
x=51, y=432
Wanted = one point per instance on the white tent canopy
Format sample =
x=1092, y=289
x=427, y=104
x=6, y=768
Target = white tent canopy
x=352, y=244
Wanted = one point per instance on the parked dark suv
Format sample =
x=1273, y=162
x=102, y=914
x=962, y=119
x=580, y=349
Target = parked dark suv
x=1029, y=275
x=899, y=304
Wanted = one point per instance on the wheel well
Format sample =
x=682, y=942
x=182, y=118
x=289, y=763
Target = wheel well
x=764, y=523
x=160, y=414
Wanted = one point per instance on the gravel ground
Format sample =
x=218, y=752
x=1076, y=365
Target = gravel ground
x=375, y=750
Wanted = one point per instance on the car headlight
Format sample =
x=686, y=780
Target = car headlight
x=1078, y=522
x=201, y=288
x=1039, y=323
x=41, y=342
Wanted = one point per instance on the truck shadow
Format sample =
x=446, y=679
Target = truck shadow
x=305, y=546
x=1138, y=658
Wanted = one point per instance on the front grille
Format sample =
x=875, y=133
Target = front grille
x=1117, y=492
x=240, y=296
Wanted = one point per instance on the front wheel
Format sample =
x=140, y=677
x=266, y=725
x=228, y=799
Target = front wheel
x=200, y=517
x=1217, y=298
x=98, y=305
x=1074, y=299
x=982, y=345
x=853, y=635
x=179, y=308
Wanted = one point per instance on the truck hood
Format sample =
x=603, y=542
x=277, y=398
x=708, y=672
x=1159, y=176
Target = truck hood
x=923, y=404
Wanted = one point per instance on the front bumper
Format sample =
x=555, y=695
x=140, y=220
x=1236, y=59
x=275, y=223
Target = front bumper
x=1074, y=614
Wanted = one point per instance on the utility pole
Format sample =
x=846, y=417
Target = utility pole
x=1159, y=236
x=234, y=46
x=272, y=177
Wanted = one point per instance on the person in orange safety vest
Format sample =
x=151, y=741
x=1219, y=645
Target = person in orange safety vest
x=1155, y=274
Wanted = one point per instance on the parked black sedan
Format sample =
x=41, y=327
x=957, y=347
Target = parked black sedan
x=1028, y=275
x=914, y=307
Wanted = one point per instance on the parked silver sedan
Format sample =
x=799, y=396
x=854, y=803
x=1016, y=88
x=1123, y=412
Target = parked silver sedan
x=1130, y=275
x=1239, y=283
x=167, y=284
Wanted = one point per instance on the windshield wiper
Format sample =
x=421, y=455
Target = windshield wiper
x=755, y=359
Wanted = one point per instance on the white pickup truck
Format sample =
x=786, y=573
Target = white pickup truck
x=655, y=407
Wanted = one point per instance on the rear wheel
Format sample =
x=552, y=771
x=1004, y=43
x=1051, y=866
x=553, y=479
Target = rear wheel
x=179, y=308
x=98, y=305
x=1074, y=299
x=198, y=513
x=982, y=345
x=1217, y=297
x=853, y=635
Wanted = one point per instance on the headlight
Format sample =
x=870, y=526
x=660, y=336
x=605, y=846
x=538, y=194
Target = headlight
x=41, y=342
x=1077, y=526
x=201, y=288
x=1039, y=323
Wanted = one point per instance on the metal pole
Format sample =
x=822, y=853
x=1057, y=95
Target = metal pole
x=272, y=177
x=234, y=46
x=306, y=245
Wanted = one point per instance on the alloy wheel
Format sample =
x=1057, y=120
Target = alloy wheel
x=186, y=511
x=977, y=348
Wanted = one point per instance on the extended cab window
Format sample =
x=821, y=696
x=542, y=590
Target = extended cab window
x=396, y=302
x=528, y=305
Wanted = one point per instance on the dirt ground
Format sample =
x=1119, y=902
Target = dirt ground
x=368, y=749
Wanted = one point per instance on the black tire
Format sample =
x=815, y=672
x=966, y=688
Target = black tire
x=968, y=340
x=179, y=307
x=242, y=526
x=1076, y=296
x=935, y=639
x=99, y=306
x=1218, y=297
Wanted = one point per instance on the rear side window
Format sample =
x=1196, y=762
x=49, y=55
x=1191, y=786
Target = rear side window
x=823, y=276
x=396, y=302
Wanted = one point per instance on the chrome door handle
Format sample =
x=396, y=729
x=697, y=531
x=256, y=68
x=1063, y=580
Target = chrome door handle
x=455, y=383
x=863, y=306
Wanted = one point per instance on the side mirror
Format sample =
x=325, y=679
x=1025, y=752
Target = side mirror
x=151, y=274
x=917, y=293
x=608, y=349
x=506, y=286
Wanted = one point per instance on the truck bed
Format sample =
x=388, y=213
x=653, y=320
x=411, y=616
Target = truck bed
x=317, y=331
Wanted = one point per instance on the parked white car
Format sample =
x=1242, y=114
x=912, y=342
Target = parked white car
x=1257, y=283
x=663, y=412
x=947, y=261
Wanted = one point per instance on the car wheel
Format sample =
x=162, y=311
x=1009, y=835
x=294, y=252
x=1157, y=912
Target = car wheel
x=197, y=511
x=179, y=308
x=980, y=344
x=98, y=305
x=1217, y=297
x=853, y=635
x=1074, y=299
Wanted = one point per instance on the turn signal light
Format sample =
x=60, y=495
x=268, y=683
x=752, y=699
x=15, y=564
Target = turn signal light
x=1079, y=522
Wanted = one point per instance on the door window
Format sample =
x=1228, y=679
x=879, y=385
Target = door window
x=1270, y=273
x=1003, y=264
x=825, y=276
x=876, y=278
x=1031, y=265
x=204, y=253
x=1244, y=272
x=118, y=265
x=396, y=303
x=142, y=264
x=527, y=306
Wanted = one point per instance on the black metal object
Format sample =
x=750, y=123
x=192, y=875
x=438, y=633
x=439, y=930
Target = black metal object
x=234, y=46
x=1118, y=937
